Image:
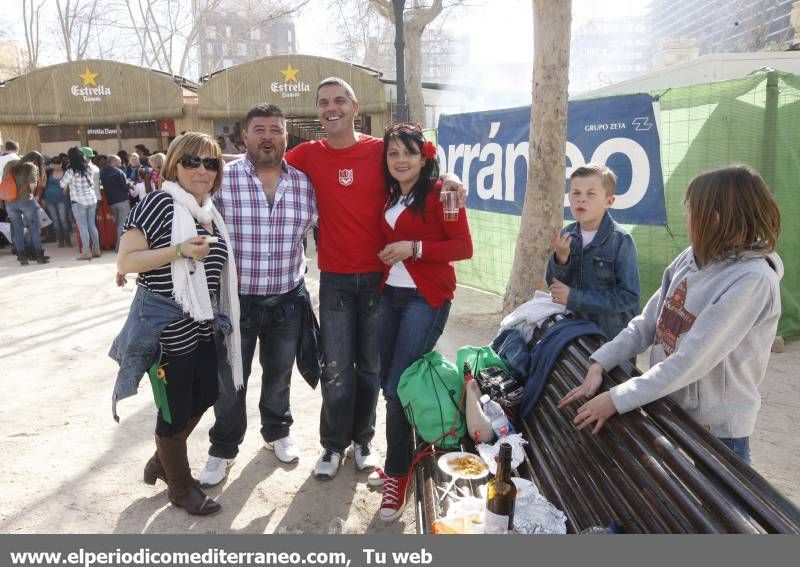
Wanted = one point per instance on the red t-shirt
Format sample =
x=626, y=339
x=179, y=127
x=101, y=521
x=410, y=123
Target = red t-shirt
x=351, y=194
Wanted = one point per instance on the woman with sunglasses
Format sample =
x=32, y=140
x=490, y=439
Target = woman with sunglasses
x=419, y=281
x=186, y=300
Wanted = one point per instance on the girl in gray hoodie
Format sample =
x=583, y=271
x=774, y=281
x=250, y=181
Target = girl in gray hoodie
x=712, y=321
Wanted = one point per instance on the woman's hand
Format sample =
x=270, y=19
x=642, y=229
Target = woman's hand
x=451, y=182
x=596, y=410
x=591, y=383
x=121, y=280
x=395, y=252
x=196, y=247
x=560, y=243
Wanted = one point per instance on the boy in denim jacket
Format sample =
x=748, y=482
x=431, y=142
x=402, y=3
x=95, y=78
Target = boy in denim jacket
x=593, y=271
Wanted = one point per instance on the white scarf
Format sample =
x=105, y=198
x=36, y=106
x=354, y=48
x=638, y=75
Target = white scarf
x=191, y=289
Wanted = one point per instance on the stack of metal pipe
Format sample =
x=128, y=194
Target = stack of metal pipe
x=652, y=470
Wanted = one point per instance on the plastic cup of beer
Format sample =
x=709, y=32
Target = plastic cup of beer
x=450, y=205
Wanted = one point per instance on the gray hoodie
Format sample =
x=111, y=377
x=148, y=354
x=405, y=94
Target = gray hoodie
x=711, y=330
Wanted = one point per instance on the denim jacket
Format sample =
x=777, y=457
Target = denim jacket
x=136, y=347
x=603, y=277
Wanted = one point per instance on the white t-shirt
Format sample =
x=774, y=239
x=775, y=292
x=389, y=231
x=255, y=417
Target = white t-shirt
x=138, y=191
x=398, y=275
x=588, y=236
x=7, y=158
x=95, y=171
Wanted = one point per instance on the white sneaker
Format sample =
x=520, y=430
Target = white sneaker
x=365, y=459
x=215, y=471
x=285, y=449
x=376, y=477
x=327, y=465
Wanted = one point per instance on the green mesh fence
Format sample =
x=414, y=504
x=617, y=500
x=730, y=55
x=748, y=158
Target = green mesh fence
x=755, y=121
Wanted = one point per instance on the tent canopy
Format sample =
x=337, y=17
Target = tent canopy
x=91, y=91
x=287, y=81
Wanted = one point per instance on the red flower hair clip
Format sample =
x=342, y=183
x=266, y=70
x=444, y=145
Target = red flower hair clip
x=429, y=150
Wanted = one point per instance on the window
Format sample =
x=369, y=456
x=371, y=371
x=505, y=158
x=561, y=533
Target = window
x=227, y=31
x=211, y=32
x=255, y=34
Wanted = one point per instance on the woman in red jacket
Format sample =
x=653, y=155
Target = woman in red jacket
x=419, y=281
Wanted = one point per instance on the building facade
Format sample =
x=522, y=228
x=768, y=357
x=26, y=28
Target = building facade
x=607, y=50
x=722, y=26
x=235, y=34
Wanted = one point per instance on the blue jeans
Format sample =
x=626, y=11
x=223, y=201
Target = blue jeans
x=20, y=214
x=739, y=445
x=276, y=328
x=348, y=319
x=85, y=218
x=58, y=214
x=409, y=328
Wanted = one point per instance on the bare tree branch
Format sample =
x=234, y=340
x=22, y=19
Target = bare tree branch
x=30, y=18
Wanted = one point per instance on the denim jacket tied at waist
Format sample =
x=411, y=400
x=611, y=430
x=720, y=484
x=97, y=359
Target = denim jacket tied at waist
x=136, y=347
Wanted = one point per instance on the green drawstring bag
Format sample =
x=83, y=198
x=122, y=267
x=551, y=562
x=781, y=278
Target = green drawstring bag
x=479, y=358
x=432, y=393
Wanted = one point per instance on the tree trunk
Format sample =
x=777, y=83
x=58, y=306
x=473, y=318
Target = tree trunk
x=401, y=115
x=544, y=196
x=415, y=102
x=415, y=21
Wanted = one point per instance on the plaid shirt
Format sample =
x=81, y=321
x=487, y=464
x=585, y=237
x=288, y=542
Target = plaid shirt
x=81, y=187
x=267, y=241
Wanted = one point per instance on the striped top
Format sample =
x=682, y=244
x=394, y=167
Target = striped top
x=81, y=187
x=153, y=216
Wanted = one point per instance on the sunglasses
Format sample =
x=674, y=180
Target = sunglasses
x=193, y=162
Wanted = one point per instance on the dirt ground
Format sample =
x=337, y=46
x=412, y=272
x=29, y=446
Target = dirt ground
x=69, y=468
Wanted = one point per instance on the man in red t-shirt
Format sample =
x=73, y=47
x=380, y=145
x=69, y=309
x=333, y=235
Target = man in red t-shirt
x=347, y=171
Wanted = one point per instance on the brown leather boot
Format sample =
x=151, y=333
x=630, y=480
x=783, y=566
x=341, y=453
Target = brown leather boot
x=182, y=490
x=153, y=470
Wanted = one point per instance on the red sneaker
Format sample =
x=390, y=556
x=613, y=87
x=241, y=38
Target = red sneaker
x=394, y=497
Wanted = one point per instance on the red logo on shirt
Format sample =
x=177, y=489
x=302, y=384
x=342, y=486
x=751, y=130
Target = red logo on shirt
x=674, y=319
x=345, y=177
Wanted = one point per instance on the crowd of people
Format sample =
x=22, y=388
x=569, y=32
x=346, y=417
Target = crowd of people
x=219, y=252
x=74, y=182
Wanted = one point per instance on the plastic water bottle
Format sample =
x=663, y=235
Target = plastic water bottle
x=497, y=416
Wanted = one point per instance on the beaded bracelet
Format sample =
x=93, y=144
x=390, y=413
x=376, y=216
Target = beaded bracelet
x=414, y=250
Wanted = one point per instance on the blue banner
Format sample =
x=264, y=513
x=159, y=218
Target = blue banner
x=489, y=151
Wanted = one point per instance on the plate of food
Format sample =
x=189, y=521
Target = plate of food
x=463, y=465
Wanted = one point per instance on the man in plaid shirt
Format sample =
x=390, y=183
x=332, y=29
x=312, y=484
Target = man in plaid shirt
x=268, y=207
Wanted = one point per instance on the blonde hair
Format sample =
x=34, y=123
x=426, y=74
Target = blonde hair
x=191, y=143
x=157, y=161
x=608, y=178
x=731, y=211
